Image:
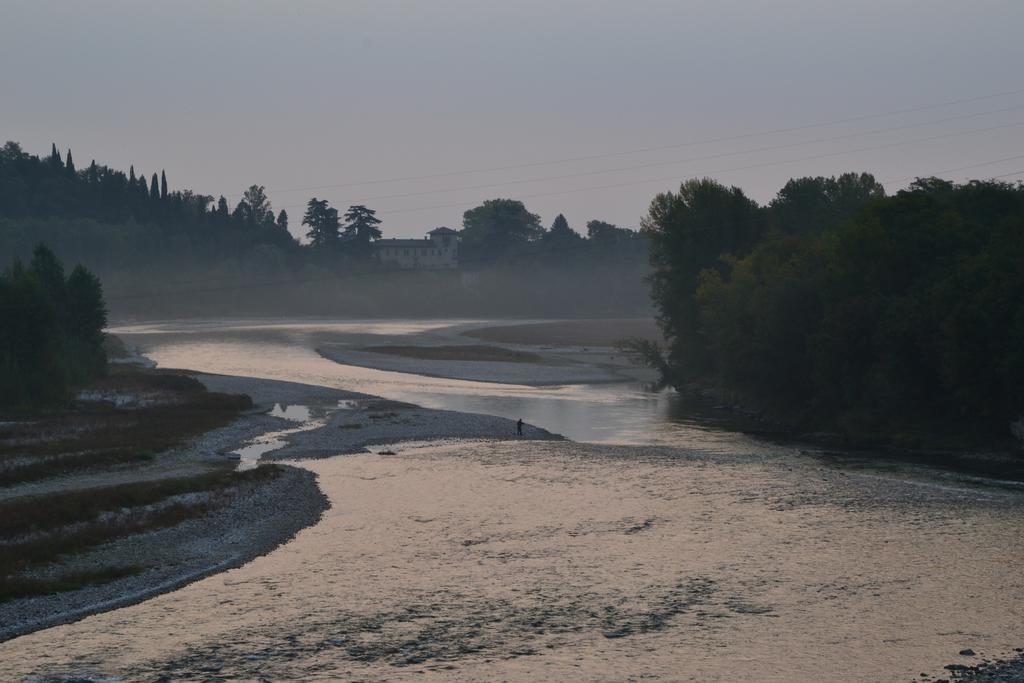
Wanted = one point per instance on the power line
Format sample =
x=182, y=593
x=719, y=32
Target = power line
x=958, y=168
x=722, y=155
x=726, y=170
x=693, y=143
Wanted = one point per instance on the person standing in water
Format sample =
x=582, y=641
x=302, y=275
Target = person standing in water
x=519, y=427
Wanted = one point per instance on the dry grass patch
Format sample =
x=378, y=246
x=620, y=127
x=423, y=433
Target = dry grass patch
x=101, y=434
x=37, y=530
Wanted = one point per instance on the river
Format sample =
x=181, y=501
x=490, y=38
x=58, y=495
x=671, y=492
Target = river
x=662, y=549
x=620, y=413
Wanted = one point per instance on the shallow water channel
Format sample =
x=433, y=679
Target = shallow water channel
x=670, y=552
x=624, y=413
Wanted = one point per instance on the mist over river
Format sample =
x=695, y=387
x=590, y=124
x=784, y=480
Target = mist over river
x=650, y=547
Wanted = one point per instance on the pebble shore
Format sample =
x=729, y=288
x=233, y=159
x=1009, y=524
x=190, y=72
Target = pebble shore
x=257, y=517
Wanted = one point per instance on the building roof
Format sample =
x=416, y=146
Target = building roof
x=420, y=243
x=443, y=231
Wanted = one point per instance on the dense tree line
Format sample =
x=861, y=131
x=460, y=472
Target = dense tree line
x=112, y=219
x=503, y=230
x=148, y=240
x=51, y=330
x=840, y=306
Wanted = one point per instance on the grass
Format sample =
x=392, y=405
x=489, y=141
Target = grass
x=66, y=463
x=94, y=435
x=167, y=410
x=49, y=519
x=465, y=352
x=17, y=587
x=30, y=514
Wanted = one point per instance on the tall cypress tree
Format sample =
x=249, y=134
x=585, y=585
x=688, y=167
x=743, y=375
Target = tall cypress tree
x=55, y=155
x=154, y=188
x=163, y=185
x=70, y=165
x=131, y=175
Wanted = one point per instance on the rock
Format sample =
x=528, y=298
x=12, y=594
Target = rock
x=967, y=652
x=618, y=633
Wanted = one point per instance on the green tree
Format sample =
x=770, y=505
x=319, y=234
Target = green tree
x=688, y=231
x=282, y=220
x=604, y=234
x=85, y=320
x=907, y=316
x=154, y=188
x=31, y=371
x=497, y=226
x=163, y=185
x=807, y=205
x=69, y=165
x=51, y=330
x=49, y=272
x=254, y=208
x=12, y=152
x=360, y=229
x=561, y=236
x=323, y=224
x=222, y=207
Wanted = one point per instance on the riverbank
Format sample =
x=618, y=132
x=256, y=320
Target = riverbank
x=186, y=514
x=129, y=492
x=235, y=531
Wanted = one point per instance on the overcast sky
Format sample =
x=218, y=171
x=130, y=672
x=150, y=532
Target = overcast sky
x=298, y=95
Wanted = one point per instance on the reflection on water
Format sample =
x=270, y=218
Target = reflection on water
x=293, y=413
x=308, y=419
x=625, y=413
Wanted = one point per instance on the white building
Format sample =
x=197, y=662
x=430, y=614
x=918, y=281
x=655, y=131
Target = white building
x=438, y=250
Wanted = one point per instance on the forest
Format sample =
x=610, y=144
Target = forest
x=837, y=306
x=166, y=252
x=51, y=331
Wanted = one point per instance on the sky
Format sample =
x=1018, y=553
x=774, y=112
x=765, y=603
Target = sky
x=421, y=110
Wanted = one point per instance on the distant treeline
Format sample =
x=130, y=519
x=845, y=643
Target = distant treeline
x=150, y=243
x=51, y=330
x=838, y=306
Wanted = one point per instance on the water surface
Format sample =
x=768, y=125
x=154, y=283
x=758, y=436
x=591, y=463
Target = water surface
x=626, y=413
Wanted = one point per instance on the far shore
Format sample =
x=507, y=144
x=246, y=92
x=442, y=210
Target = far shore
x=602, y=332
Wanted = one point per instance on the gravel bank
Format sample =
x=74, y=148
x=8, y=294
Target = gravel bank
x=346, y=422
x=557, y=371
x=240, y=528
x=997, y=671
x=229, y=537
